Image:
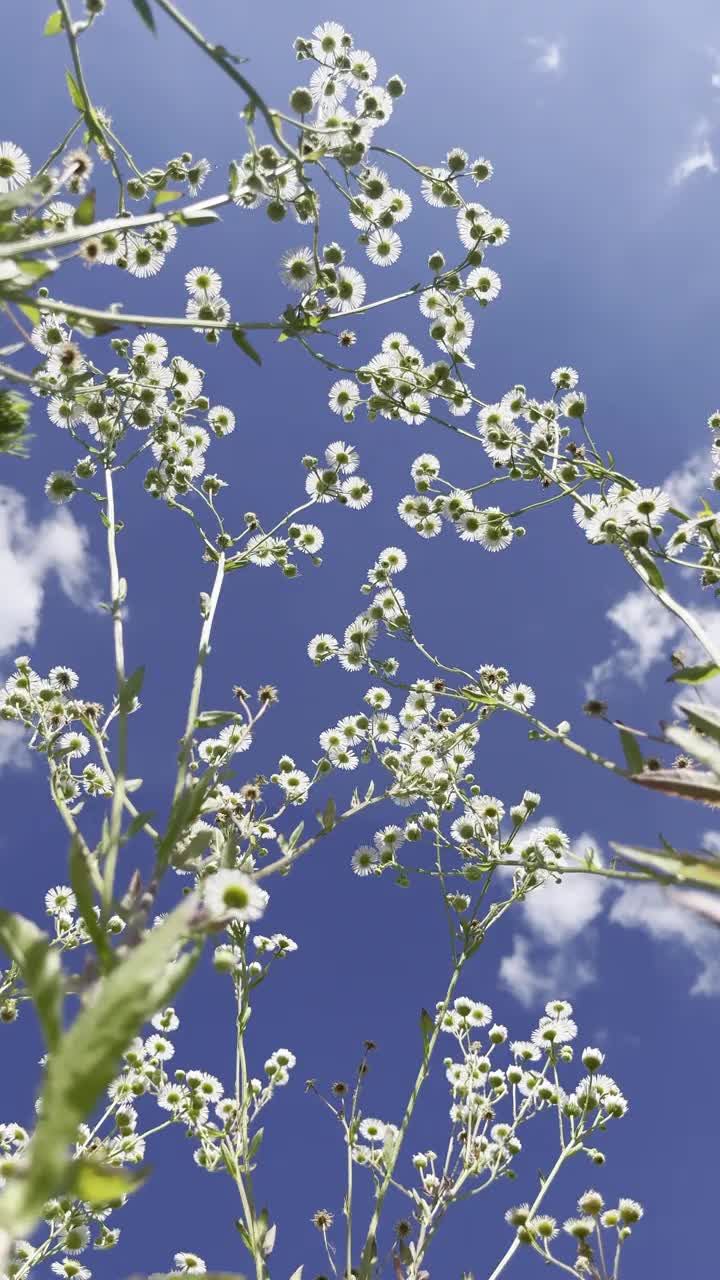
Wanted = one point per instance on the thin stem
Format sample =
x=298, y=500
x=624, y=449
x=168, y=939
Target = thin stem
x=70, y=309
x=510, y=1253
x=116, y=606
x=196, y=689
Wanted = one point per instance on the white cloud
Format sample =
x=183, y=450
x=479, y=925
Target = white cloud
x=654, y=910
x=559, y=947
x=549, y=54
x=533, y=974
x=698, y=155
x=13, y=749
x=648, y=632
x=28, y=555
x=686, y=485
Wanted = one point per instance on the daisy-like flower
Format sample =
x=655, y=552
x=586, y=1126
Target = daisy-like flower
x=297, y=268
x=322, y=647
x=15, y=168
x=63, y=678
x=344, y=395
x=71, y=1269
x=221, y=420
x=480, y=170
x=189, y=1264
x=152, y=347
x=519, y=695
x=365, y=860
x=373, y=1130
x=144, y=259
x=647, y=504
x=383, y=247
x=564, y=378
x=74, y=744
x=233, y=895
x=203, y=282
x=485, y=283
x=60, y=899
x=351, y=289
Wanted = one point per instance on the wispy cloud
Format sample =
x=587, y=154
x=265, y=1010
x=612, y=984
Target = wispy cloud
x=549, y=54
x=558, y=949
x=28, y=555
x=645, y=632
x=698, y=155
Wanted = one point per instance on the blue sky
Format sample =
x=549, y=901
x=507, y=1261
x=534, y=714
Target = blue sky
x=603, y=123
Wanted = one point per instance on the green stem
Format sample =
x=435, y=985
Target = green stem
x=116, y=605
x=196, y=689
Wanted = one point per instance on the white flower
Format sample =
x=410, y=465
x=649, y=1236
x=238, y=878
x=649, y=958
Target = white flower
x=203, y=282
x=15, y=168
x=189, y=1264
x=60, y=899
x=233, y=895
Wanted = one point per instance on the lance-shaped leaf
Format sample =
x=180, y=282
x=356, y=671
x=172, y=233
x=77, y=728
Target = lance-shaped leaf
x=241, y=340
x=701, y=903
x=696, y=675
x=691, y=868
x=142, y=7
x=703, y=717
x=102, y=1184
x=87, y=1058
x=631, y=751
x=29, y=948
x=693, y=784
x=689, y=740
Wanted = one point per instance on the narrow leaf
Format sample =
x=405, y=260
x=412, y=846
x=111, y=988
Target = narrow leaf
x=695, y=744
x=87, y=1058
x=142, y=7
x=703, y=717
x=695, y=675
x=131, y=688
x=83, y=889
x=29, y=948
x=693, y=784
x=706, y=905
x=427, y=1026
x=632, y=752
x=75, y=95
x=53, y=24
x=691, y=868
x=100, y=1184
x=327, y=819
x=85, y=212
x=240, y=339
x=164, y=197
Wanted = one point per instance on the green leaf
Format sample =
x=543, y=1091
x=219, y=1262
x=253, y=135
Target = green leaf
x=240, y=339
x=650, y=570
x=255, y=1143
x=139, y=821
x=328, y=815
x=85, y=212
x=53, y=25
x=83, y=888
x=31, y=312
x=233, y=177
x=101, y=1185
x=194, y=217
x=696, y=675
x=211, y=719
x=703, y=717
x=142, y=7
x=632, y=752
x=39, y=964
x=87, y=1058
x=691, y=868
x=295, y=835
x=427, y=1026
x=692, y=784
x=131, y=689
x=75, y=95
x=36, y=269
x=695, y=744
x=164, y=197
x=403, y=880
